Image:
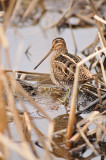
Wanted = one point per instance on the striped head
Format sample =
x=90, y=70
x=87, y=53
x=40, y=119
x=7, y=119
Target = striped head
x=57, y=44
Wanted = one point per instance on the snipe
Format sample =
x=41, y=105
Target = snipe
x=63, y=65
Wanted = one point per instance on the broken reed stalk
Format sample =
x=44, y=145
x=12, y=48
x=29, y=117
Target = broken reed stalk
x=71, y=120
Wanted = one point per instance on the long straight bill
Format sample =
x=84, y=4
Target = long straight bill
x=43, y=59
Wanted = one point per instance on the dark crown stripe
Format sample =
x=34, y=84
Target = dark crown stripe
x=59, y=38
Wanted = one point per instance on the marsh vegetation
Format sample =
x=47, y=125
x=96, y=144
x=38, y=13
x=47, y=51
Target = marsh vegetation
x=34, y=123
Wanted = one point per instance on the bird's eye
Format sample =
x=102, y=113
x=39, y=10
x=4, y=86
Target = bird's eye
x=56, y=41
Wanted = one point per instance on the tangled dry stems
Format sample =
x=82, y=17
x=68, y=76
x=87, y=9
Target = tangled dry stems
x=9, y=88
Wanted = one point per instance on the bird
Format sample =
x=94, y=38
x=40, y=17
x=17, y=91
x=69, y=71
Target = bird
x=63, y=66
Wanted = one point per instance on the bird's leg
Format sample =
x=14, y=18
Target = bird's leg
x=65, y=98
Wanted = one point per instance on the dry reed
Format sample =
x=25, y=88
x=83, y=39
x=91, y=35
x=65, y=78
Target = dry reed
x=10, y=88
x=71, y=121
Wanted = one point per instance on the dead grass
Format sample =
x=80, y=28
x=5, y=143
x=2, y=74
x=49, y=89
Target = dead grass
x=9, y=88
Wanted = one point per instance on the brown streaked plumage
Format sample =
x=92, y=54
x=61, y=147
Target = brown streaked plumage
x=63, y=65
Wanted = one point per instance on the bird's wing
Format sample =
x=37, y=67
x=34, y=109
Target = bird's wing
x=73, y=57
x=64, y=69
x=77, y=59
